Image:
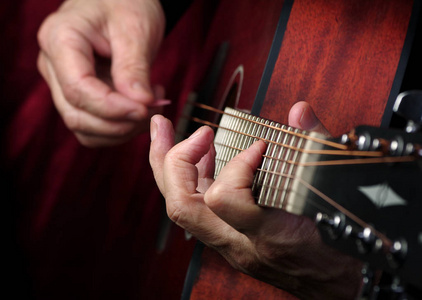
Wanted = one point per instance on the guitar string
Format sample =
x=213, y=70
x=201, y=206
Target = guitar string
x=324, y=152
x=301, y=135
x=343, y=151
x=297, y=134
x=386, y=241
x=354, y=161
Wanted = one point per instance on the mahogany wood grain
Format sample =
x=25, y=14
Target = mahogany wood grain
x=341, y=57
x=219, y=280
x=249, y=27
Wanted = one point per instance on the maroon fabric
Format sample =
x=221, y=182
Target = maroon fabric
x=83, y=221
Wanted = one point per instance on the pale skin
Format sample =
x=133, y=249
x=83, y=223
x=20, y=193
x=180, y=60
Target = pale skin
x=103, y=104
x=108, y=101
x=272, y=245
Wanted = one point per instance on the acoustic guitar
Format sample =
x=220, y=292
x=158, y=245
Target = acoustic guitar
x=348, y=60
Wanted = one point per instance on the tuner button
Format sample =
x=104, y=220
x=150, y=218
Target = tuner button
x=334, y=225
x=364, y=142
x=409, y=149
x=397, y=146
x=376, y=145
x=398, y=252
x=345, y=139
x=409, y=105
x=368, y=242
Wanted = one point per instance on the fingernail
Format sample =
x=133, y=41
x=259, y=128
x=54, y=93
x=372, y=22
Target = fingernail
x=308, y=120
x=153, y=130
x=196, y=133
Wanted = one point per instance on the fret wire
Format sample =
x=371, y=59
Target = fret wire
x=268, y=178
x=282, y=165
x=229, y=137
x=296, y=164
x=328, y=152
x=226, y=137
x=279, y=165
x=263, y=177
x=245, y=140
x=258, y=129
x=318, y=140
x=290, y=169
x=260, y=132
x=311, y=202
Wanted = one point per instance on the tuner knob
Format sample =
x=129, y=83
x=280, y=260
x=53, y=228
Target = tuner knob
x=367, y=241
x=409, y=105
x=398, y=253
x=335, y=224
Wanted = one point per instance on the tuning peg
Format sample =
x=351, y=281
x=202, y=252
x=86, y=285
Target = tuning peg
x=367, y=241
x=398, y=253
x=335, y=224
x=409, y=105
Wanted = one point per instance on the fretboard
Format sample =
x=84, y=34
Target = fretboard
x=275, y=183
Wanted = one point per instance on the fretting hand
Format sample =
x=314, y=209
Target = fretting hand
x=272, y=245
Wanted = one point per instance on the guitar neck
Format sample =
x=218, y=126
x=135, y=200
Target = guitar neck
x=289, y=153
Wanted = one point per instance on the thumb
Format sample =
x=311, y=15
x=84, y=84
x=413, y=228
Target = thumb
x=134, y=41
x=303, y=117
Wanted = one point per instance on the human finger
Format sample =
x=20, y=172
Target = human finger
x=162, y=140
x=206, y=167
x=185, y=205
x=69, y=49
x=134, y=44
x=231, y=191
x=90, y=130
x=303, y=117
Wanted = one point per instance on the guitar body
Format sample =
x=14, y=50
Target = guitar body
x=346, y=58
x=86, y=220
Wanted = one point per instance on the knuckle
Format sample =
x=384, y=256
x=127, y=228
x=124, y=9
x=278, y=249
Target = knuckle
x=122, y=130
x=176, y=159
x=44, y=31
x=131, y=67
x=268, y=253
x=72, y=121
x=175, y=211
x=53, y=30
x=87, y=141
x=73, y=94
x=41, y=66
x=214, y=197
x=245, y=263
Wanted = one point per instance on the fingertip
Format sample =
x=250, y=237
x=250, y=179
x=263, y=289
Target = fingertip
x=204, y=131
x=153, y=129
x=132, y=82
x=296, y=112
x=160, y=124
x=260, y=145
x=302, y=116
x=138, y=91
x=159, y=119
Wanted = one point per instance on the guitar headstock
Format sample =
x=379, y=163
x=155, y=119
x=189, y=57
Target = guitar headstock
x=363, y=189
x=382, y=226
